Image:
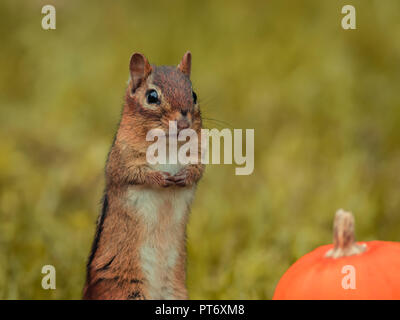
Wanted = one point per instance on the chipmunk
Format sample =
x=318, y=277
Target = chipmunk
x=139, y=250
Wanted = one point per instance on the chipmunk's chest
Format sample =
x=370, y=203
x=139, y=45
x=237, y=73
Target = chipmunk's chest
x=163, y=215
x=159, y=206
x=171, y=168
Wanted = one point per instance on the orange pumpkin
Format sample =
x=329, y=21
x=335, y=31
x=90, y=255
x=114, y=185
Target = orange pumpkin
x=344, y=270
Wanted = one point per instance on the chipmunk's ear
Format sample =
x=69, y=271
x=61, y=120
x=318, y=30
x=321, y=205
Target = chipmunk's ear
x=139, y=68
x=186, y=64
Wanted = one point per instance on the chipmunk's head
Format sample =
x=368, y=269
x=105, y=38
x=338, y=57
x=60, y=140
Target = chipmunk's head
x=157, y=95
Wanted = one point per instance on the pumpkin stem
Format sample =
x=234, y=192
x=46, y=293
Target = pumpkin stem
x=344, y=242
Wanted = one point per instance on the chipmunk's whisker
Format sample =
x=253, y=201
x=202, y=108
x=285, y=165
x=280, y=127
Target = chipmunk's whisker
x=218, y=122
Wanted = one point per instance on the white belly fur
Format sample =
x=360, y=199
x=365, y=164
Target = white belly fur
x=164, y=234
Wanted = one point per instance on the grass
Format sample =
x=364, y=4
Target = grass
x=324, y=103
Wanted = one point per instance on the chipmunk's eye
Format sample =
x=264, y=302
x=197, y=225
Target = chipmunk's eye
x=194, y=97
x=152, y=97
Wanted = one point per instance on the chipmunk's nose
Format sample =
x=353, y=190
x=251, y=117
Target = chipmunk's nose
x=183, y=120
x=183, y=123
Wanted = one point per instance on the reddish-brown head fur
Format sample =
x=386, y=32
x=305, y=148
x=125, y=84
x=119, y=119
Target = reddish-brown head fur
x=176, y=100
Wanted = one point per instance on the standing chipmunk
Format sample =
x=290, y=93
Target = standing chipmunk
x=139, y=250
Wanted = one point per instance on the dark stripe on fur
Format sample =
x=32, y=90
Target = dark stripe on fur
x=107, y=265
x=97, y=236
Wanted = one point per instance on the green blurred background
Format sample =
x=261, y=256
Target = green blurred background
x=324, y=103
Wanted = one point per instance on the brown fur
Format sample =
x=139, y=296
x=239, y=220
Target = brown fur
x=117, y=267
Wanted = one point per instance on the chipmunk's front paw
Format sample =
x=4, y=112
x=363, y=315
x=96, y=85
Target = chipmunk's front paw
x=159, y=179
x=183, y=178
